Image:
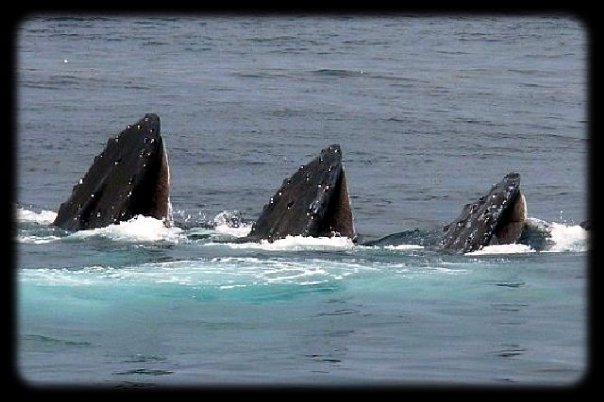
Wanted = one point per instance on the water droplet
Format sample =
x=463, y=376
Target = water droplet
x=129, y=193
x=81, y=181
x=91, y=195
x=116, y=163
x=280, y=193
x=138, y=126
x=152, y=139
x=318, y=185
x=116, y=139
x=128, y=127
x=336, y=150
x=314, y=207
x=271, y=201
x=326, y=188
x=98, y=214
x=301, y=167
x=307, y=177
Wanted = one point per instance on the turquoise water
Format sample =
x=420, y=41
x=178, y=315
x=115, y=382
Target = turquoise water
x=187, y=311
x=429, y=111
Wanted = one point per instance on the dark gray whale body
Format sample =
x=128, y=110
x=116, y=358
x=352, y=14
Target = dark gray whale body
x=130, y=177
x=313, y=202
x=499, y=217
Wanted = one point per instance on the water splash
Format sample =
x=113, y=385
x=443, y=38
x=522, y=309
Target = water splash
x=563, y=238
x=138, y=229
x=231, y=223
x=569, y=238
x=43, y=217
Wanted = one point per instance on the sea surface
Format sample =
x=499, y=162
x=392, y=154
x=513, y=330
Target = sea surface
x=430, y=111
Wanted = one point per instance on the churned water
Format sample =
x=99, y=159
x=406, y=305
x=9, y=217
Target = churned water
x=430, y=111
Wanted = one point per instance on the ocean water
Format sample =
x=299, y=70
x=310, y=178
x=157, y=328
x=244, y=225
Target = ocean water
x=429, y=110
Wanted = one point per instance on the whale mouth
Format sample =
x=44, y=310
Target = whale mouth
x=129, y=177
x=512, y=222
x=313, y=202
x=496, y=218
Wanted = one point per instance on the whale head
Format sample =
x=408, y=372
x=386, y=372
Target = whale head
x=496, y=218
x=129, y=177
x=313, y=202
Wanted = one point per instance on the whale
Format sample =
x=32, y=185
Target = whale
x=499, y=217
x=313, y=202
x=129, y=177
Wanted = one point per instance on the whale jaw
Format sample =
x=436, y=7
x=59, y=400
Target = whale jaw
x=313, y=202
x=496, y=218
x=130, y=177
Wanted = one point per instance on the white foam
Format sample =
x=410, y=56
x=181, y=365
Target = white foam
x=502, y=249
x=241, y=231
x=568, y=238
x=43, y=217
x=139, y=228
x=404, y=247
x=37, y=239
x=297, y=243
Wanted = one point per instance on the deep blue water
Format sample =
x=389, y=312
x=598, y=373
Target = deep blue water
x=430, y=111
